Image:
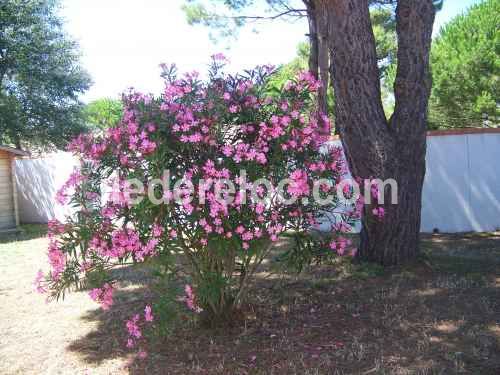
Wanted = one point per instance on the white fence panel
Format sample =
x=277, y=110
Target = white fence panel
x=461, y=189
x=462, y=184
x=38, y=181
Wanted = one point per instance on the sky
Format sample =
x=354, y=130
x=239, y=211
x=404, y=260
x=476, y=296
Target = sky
x=123, y=42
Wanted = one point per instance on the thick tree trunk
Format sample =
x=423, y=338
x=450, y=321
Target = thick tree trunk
x=374, y=146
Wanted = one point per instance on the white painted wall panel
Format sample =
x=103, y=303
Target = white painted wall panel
x=461, y=189
x=445, y=201
x=38, y=180
x=484, y=164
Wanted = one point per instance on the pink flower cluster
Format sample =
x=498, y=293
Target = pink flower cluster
x=103, y=295
x=57, y=259
x=190, y=299
x=135, y=326
x=38, y=282
x=74, y=180
x=378, y=211
x=340, y=245
x=126, y=242
x=300, y=184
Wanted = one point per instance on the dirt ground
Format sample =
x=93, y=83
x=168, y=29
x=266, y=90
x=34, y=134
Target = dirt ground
x=438, y=316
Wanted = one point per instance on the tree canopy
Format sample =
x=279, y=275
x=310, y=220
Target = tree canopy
x=384, y=30
x=103, y=113
x=40, y=76
x=465, y=65
x=224, y=18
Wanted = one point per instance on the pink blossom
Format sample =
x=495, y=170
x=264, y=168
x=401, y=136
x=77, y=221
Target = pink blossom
x=247, y=236
x=55, y=227
x=340, y=245
x=133, y=327
x=57, y=259
x=103, y=295
x=220, y=57
x=259, y=208
x=130, y=343
x=190, y=299
x=157, y=230
x=299, y=185
x=379, y=212
x=37, y=283
x=148, y=316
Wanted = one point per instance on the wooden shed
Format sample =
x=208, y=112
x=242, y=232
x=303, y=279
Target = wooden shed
x=9, y=214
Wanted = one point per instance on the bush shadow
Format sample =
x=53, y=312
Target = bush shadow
x=437, y=318
x=25, y=233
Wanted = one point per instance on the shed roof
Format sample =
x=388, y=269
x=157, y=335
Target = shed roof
x=14, y=151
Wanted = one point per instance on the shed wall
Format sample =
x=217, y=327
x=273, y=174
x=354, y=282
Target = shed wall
x=7, y=212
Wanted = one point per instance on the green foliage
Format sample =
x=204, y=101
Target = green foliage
x=288, y=71
x=365, y=271
x=384, y=30
x=103, y=113
x=225, y=17
x=40, y=76
x=388, y=88
x=465, y=64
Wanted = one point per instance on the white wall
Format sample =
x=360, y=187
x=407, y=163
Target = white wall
x=461, y=189
x=462, y=183
x=38, y=180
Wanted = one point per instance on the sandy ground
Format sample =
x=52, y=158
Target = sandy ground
x=35, y=335
x=441, y=316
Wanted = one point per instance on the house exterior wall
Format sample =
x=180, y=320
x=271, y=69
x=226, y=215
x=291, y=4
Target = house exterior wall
x=7, y=207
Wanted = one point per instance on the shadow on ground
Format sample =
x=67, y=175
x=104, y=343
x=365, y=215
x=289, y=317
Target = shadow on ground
x=438, y=316
x=25, y=233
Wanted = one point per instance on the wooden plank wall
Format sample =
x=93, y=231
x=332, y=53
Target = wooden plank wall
x=7, y=205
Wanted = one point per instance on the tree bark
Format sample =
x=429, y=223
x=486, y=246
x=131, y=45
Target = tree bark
x=323, y=58
x=374, y=146
x=318, y=54
x=313, y=39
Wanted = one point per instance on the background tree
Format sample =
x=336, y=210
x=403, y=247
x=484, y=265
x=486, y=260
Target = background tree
x=465, y=69
x=225, y=17
x=375, y=146
x=40, y=76
x=384, y=29
x=103, y=113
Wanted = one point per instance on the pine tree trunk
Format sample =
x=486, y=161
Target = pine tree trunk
x=318, y=54
x=374, y=146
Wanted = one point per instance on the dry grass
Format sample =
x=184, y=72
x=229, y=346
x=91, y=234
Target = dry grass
x=439, y=316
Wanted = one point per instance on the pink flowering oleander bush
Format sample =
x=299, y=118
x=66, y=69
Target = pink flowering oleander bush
x=203, y=133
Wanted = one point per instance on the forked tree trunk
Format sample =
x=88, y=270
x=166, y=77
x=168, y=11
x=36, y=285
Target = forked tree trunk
x=376, y=147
